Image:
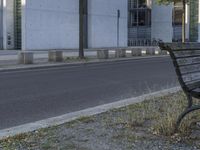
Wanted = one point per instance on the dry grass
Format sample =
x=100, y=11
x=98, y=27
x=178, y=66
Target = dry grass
x=172, y=109
x=160, y=114
x=154, y=118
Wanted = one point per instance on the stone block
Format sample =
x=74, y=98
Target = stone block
x=136, y=52
x=157, y=51
x=102, y=54
x=150, y=51
x=25, y=57
x=55, y=56
x=144, y=52
x=164, y=52
x=119, y=53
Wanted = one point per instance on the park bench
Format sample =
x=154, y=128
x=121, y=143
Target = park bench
x=186, y=60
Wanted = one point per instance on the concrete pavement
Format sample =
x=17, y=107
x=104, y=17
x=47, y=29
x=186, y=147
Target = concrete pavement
x=32, y=95
x=12, y=54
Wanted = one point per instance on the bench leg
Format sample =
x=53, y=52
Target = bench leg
x=187, y=111
x=190, y=101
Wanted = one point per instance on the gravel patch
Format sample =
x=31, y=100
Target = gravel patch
x=130, y=128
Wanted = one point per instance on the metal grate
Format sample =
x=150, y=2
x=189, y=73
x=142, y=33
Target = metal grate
x=17, y=24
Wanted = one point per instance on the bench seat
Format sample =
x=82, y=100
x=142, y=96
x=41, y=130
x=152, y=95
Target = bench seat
x=196, y=93
x=186, y=60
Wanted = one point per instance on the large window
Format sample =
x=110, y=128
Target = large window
x=194, y=4
x=177, y=13
x=177, y=22
x=139, y=23
x=139, y=13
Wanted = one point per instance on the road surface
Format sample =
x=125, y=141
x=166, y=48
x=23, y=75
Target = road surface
x=33, y=95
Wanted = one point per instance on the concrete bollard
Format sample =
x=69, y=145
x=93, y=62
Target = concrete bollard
x=136, y=52
x=25, y=57
x=119, y=53
x=164, y=52
x=102, y=54
x=144, y=52
x=55, y=56
x=157, y=51
x=150, y=51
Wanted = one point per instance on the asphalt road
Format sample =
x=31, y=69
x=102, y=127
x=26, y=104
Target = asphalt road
x=32, y=95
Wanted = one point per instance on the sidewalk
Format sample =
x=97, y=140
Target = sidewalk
x=12, y=54
x=9, y=59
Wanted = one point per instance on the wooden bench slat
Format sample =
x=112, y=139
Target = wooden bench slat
x=193, y=85
x=190, y=68
x=191, y=56
x=188, y=61
x=189, y=64
x=186, y=53
x=191, y=77
x=179, y=46
x=185, y=49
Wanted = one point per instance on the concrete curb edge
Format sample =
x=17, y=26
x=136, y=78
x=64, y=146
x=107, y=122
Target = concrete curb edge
x=44, y=66
x=86, y=112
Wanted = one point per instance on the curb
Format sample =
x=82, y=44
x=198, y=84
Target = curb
x=48, y=66
x=5, y=133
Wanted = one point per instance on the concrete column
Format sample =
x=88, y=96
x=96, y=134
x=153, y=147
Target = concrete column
x=187, y=22
x=199, y=23
x=4, y=25
x=23, y=25
x=8, y=24
x=162, y=22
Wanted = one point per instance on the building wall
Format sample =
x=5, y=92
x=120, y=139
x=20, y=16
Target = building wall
x=199, y=22
x=50, y=24
x=190, y=21
x=162, y=22
x=1, y=24
x=102, y=23
x=187, y=22
x=8, y=24
x=194, y=20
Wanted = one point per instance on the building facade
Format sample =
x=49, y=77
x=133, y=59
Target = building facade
x=50, y=24
x=150, y=22
x=193, y=21
x=1, y=25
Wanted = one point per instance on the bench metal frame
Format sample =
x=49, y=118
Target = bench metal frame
x=171, y=48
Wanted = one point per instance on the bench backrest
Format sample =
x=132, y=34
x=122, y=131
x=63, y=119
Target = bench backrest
x=186, y=60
